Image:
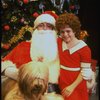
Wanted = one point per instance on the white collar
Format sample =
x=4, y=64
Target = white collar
x=75, y=48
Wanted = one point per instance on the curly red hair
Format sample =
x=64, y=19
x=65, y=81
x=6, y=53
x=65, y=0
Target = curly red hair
x=71, y=20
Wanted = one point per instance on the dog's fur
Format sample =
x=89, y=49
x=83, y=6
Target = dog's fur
x=31, y=85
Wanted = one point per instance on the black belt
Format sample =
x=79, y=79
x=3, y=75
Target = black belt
x=53, y=88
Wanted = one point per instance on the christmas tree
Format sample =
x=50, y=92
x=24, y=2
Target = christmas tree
x=17, y=18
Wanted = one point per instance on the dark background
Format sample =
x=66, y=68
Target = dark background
x=90, y=19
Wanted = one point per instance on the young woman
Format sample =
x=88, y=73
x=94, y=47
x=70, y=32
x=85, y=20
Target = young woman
x=74, y=55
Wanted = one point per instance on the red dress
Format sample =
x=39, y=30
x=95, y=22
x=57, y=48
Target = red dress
x=72, y=58
x=20, y=54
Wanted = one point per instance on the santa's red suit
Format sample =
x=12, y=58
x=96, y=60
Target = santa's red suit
x=19, y=55
x=43, y=45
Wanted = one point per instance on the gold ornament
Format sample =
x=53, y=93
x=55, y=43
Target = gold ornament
x=83, y=35
x=13, y=19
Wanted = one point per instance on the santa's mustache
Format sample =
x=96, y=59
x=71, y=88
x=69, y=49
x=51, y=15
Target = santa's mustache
x=44, y=33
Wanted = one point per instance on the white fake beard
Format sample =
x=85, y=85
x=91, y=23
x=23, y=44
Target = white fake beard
x=44, y=44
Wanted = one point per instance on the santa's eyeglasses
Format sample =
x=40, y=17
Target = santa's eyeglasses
x=45, y=26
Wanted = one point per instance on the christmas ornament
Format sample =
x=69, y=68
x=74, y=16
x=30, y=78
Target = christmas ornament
x=4, y=5
x=6, y=27
x=22, y=20
x=41, y=6
x=83, y=35
x=35, y=14
x=58, y=4
x=26, y=23
x=13, y=19
x=14, y=27
x=73, y=6
x=20, y=2
x=25, y=1
x=5, y=46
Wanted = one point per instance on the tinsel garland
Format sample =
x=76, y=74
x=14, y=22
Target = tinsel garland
x=20, y=35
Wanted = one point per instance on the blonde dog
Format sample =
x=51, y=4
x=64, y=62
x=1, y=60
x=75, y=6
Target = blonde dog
x=31, y=85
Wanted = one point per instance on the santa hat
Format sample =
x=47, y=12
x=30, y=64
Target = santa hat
x=47, y=16
x=52, y=13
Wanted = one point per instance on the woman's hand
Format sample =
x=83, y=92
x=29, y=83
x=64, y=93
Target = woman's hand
x=68, y=91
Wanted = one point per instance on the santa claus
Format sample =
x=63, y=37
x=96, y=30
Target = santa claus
x=42, y=47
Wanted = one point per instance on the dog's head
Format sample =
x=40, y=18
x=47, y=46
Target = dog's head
x=33, y=79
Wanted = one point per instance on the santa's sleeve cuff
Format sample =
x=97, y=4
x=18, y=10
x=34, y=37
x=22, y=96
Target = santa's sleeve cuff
x=5, y=64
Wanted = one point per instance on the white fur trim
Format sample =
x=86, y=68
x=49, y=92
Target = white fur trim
x=80, y=45
x=5, y=64
x=44, y=18
x=54, y=71
x=85, y=65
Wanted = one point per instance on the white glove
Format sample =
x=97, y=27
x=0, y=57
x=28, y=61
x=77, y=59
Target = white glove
x=11, y=72
x=92, y=82
x=87, y=73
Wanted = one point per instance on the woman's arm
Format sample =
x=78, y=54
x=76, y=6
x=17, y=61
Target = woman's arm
x=69, y=89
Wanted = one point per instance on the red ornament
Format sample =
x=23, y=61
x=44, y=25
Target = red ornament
x=6, y=46
x=22, y=20
x=35, y=14
x=72, y=7
x=6, y=27
x=25, y=1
